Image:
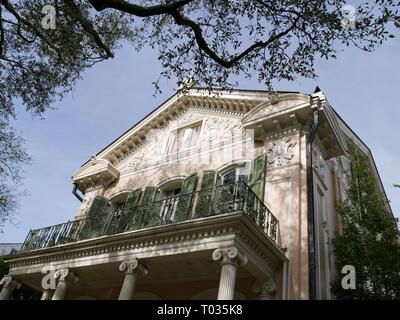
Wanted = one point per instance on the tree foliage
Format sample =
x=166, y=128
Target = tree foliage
x=12, y=157
x=370, y=237
x=207, y=40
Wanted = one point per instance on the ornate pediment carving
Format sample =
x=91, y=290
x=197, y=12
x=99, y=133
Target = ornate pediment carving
x=215, y=128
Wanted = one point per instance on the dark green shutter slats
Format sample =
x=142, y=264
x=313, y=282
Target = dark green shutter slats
x=205, y=196
x=257, y=176
x=98, y=206
x=132, y=200
x=209, y=178
x=185, y=199
x=96, y=219
x=188, y=184
x=256, y=183
x=121, y=221
x=148, y=195
x=144, y=216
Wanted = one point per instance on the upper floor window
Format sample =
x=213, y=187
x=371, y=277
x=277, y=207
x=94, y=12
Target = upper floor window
x=184, y=138
x=235, y=175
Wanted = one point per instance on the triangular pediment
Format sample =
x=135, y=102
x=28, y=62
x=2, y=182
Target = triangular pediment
x=228, y=102
x=214, y=127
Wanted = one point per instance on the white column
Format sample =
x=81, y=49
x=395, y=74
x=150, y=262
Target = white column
x=132, y=270
x=66, y=278
x=265, y=289
x=9, y=284
x=46, y=295
x=230, y=259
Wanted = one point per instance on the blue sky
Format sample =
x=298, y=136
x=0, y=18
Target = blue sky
x=362, y=87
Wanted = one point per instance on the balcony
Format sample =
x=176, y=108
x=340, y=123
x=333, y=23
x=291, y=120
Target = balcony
x=223, y=199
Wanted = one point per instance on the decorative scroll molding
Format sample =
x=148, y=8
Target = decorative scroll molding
x=10, y=283
x=281, y=152
x=217, y=128
x=66, y=275
x=229, y=256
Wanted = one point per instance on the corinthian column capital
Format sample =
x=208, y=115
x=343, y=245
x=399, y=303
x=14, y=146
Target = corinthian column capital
x=133, y=267
x=229, y=255
x=66, y=275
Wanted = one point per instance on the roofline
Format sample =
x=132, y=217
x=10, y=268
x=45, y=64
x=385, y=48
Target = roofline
x=170, y=98
x=136, y=124
x=370, y=154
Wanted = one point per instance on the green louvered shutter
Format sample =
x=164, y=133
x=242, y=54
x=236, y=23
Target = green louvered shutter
x=95, y=219
x=132, y=200
x=257, y=176
x=185, y=199
x=256, y=183
x=205, y=196
x=148, y=195
x=188, y=184
x=121, y=222
x=98, y=207
x=145, y=215
x=128, y=214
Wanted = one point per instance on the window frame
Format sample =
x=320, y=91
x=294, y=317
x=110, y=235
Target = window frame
x=233, y=167
x=173, y=133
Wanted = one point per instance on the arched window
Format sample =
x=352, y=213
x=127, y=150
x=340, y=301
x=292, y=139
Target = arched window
x=117, y=202
x=168, y=193
x=234, y=173
x=121, y=210
x=230, y=190
x=174, y=198
x=169, y=188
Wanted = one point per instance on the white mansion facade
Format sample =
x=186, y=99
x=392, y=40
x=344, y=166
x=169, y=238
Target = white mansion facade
x=221, y=195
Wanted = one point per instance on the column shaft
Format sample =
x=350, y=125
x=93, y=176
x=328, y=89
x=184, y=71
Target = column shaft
x=61, y=290
x=231, y=259
x=5, y=293
x=227, y=281
x=46, y=295
x=128, y=287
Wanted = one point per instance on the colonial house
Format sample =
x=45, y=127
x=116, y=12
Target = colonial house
x=214, y=195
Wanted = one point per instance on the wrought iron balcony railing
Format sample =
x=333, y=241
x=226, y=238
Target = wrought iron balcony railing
x=237, y=197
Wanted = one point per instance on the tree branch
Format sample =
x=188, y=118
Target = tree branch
x=137, y=10
x=88, y=27
x=1, y=32
x=202, y=43
x=173, y=9
x=10, y=8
